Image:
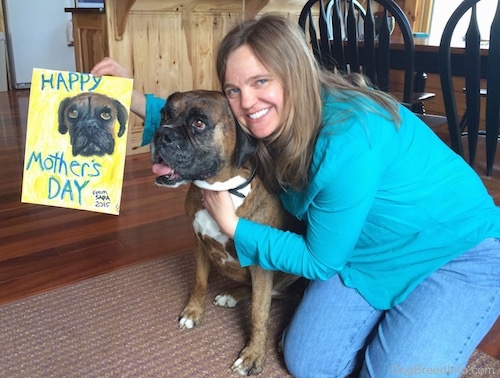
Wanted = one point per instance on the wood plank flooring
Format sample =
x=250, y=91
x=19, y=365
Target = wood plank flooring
x=42, y=248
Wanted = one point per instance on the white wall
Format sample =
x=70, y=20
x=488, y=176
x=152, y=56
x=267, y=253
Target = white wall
x=36, y=36
x=444, y=8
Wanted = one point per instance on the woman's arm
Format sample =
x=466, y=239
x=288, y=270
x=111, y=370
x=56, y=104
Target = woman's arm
x=145, y=106
x=335, y=212
x=108, y=66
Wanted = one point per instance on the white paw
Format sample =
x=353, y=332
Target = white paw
x=186, y=323
x=237, y=368
x=225, y=300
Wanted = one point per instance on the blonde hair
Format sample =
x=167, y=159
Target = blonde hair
x=284, y=158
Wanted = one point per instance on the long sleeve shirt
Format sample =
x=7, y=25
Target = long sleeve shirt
x=384, y=207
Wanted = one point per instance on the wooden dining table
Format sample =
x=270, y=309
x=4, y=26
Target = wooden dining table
x=427, y=60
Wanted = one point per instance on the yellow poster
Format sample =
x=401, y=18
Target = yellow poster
x=76, y=140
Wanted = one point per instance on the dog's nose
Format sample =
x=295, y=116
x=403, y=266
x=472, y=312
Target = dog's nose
x=162, y=136
x=170, y=137
x=166, y=137
x=95, y=124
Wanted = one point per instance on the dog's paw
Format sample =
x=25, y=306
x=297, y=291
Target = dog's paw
x=190, y=317
x=186, y=323
x=225, y=300
x=252, y=358
x=244, y=366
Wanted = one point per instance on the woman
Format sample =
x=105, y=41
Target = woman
x=402, y=244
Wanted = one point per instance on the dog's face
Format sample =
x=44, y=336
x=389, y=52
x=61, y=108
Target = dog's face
x=90, y=119
x=198, y=138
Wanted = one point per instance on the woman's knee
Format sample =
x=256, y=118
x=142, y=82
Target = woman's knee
x=328, y=330
x=296, y=358
x=304, y=360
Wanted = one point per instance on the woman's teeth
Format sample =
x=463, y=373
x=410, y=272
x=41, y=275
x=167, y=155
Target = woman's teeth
x=259, y=114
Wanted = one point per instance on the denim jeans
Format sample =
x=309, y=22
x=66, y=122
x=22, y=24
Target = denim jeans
x=335, y=332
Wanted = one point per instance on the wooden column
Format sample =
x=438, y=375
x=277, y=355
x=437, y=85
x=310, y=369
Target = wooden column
x=90, y=35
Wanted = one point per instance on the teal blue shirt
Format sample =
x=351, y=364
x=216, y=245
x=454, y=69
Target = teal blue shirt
x=384, y=207
x=152, y=117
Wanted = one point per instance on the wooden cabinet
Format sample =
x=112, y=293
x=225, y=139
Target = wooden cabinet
x=90, y=36
x=170, y=45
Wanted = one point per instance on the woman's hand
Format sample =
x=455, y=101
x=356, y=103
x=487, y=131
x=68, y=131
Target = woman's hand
x=110, y=67
x=220, y=206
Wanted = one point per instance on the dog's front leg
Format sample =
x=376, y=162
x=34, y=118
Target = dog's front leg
x=252, y=358
x=193, y=311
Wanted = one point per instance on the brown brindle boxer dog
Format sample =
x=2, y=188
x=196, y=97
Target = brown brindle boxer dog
x=200, y=143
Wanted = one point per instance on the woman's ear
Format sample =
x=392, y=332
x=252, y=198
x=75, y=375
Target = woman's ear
x=246, y=145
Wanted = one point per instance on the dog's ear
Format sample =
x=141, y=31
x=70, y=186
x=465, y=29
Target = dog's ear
x=246, y=145
x=171, y=95
x=122, y=115
x=63, y=128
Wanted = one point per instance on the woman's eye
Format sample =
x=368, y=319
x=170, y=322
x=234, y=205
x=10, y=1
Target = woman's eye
x=261, y=81
x=231, y=92
x=199, y=124
x=106, y=115
x=73, y=113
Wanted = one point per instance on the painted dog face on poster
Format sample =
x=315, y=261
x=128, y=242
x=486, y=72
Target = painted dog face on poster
x=90, y=120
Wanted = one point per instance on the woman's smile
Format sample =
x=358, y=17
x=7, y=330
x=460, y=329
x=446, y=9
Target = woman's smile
x=259, y=114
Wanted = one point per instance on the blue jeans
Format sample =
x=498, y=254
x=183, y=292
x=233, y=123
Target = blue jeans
x=335, y=332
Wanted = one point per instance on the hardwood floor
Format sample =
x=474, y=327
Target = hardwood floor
x=43, y=247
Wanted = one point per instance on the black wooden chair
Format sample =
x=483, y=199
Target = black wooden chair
x=338, y=44
x=474, y=70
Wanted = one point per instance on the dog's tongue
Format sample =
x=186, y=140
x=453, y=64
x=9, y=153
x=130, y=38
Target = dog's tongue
x=161, y=169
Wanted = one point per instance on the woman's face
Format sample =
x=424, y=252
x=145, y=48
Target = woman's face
x=256, y=95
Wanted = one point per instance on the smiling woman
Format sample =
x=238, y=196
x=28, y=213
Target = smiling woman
x=255, y=94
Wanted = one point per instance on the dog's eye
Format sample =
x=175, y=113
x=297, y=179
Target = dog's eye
x=106, y=115
x=199, y=124
x=73, y=113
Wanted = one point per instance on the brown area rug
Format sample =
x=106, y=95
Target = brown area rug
x=124, y=324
